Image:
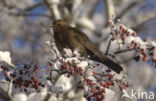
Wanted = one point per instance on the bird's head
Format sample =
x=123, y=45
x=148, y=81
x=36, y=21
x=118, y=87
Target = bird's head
x=59, y=24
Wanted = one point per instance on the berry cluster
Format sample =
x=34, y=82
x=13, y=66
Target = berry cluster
x=87, y=74
x=24, y=78
x=145, y=49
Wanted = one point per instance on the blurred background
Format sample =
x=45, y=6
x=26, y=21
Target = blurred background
x=24, y=29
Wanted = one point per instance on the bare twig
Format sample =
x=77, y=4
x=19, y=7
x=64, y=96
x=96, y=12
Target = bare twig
x=27, y=9
x=34, y=6
x=126, y=60
x=108, y=45
x=139, y=26
x=125, y=50
x=127, y=9
x=25, y=14
x=29, y=14
x=64, y=72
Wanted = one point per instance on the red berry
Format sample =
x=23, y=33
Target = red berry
x=145, y=40
x=36, y=85
x=97, y=64
x=122, y=35
x=79, y=72
x=87, y=80
x=153, y=60
x=81, y=87
x=142, y=51
x=74, y=55
x=102, y=95
x=64, y=66
x=133, y=34
x=94, y=72
x=92, y=90
x=71, y=68
x=80, y=69
x=109, y=83
x=127, y=85
x=103, y=90
x=144, y=58
x=103, y=84
x=111, y=76
x=135, y=46
x=121, y=88
x=123, y=30
x=113, y=56
x=123, y=38
x=71, y=73
x=97, y=87
x=117, y=33
x=5, y=74
x=64, y=52
x=127, y=34
x=120, y=27
x=109, y=22
x=108, y=86
x=34, y=79
x=50, y=64
x=76, y=68
x=128, y=47
x=36, y=67
x=108, y=70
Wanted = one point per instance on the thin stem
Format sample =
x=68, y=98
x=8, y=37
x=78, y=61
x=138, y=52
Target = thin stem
x=125, y=50
x=108, y=45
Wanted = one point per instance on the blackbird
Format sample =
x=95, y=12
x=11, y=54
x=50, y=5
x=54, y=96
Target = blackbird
x=67, y=36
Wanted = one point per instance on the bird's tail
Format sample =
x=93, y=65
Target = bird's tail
x=112, y=65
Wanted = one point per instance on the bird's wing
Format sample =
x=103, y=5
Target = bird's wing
x=91, y=48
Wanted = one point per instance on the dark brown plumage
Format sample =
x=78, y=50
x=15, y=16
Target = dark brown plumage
x=67, y=36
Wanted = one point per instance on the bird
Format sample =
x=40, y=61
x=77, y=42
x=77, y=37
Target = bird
x=66, y=36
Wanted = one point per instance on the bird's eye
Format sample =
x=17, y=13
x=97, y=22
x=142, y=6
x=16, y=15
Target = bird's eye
x=54, y=23
x=59, y=24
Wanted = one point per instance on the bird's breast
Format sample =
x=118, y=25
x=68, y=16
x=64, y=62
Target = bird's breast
x=61, y=41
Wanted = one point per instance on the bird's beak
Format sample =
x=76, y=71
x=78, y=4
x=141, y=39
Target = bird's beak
x=50, y=26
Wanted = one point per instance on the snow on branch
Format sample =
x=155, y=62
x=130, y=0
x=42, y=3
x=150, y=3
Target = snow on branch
x=127, y=40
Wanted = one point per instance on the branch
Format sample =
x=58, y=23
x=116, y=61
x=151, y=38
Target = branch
x=138, y=27
x=29, y=14
x=27, y=9
x=24, y=12
x=128, y=8
x=91, y=12
x=30, y=8
x=126, y=60
x=46, y=98
x=4, y=2
x=125, y=50
x=109, y=9
x=4, y=95
x=109, y=45
x=53, y=7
